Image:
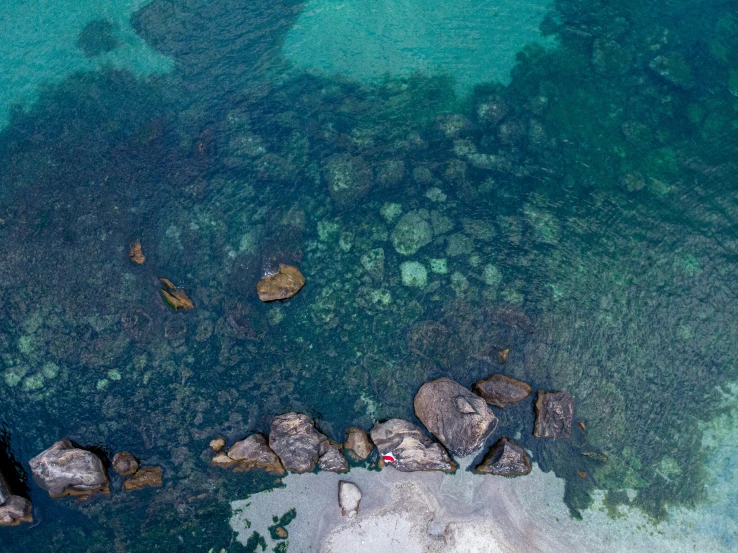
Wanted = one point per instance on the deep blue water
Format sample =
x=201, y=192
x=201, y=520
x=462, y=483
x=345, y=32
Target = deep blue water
x=583, y=212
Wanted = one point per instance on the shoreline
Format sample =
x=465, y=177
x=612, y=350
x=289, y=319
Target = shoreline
x=456, y=513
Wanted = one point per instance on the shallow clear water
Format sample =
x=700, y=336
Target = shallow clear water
x=574, y=162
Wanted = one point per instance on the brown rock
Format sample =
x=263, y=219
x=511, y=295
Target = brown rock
x=124, y=463
x=281, y=286
x=459, y=419
x=505, y=458
x=218, y=443
x=222, y=460
x=554, y=413
x=500, y=390
x=66, y=470
x=15, y=510
x=254, y=452
x=174, y=296
x=146, y=477
x=281, y=532
x=358, y=441
x=136, y=254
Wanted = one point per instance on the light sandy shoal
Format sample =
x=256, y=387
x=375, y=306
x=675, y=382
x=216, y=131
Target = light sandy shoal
x=464, y=512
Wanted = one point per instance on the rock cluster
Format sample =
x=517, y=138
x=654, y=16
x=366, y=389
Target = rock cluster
x=459, y=419
x=67, y=470
x=254, y=452
x=300, y=446
x=410, y=448
x=14, y=509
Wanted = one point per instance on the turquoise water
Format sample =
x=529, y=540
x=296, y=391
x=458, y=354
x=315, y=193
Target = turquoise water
x=573, y=165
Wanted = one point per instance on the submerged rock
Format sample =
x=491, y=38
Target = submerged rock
x=174, y=296
x=348, y=178
x=373, y=262
x=554, y=413
x=296, y=442
x=136, y=253
x=505, y=458
x=459, y=419
x=281, y=286
x=254, y=452
x=411, y=449
x=124, y=463
x=500, y=390
x=358, y=441
x=349, y=497
x=145, y=477
x=413, y=231
x=216, y=444
x=66, y=470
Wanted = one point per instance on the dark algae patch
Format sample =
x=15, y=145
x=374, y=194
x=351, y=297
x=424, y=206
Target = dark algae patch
x=583, y=216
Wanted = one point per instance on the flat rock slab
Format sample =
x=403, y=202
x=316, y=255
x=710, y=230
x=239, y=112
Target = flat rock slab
x=66, y=470
x=500, y=390
x=124, y=463
x=505, y=458
x=145, y=477
x=297, y=443
x=358, y=441
x=554, y=413
x=281, y=286
x=411, y=448
x=254, y=452
x=459, y=419
x=15, y=510
x=349, y=497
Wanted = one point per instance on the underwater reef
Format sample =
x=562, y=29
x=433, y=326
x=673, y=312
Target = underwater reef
x=581, y=217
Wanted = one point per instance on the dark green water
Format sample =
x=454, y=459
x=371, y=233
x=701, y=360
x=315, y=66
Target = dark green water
x=586, y=209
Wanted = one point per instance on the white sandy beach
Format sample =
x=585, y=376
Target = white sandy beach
x=464, y=512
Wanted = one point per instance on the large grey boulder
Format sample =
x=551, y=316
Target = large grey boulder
x=67, y=470
x=254, y=452
x=500, y=390
x=459, y=419
x=411, y=449
x=505, y=458
x=554, y=413
x=300, y=446
x=13, y=508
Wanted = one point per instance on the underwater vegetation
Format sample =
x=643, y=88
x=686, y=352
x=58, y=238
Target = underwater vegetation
x=581, y=217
